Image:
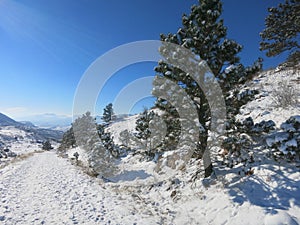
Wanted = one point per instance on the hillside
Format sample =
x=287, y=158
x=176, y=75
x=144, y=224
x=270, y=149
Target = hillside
x=140, y=194
x=18, y=138
x=273, y=86
x=270, y=192
x=6, y=121
x=37, y=133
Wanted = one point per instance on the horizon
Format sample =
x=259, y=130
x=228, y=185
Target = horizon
x=46, y=48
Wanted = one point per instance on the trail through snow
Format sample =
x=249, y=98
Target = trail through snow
x=46, y=189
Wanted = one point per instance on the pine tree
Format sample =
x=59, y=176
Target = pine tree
x=150, y=132
x=87, y=137
x=172, y=120
x=107, y=141
x=282, y=31
x=68, y=140
x=204, y=33
x=84, y=129
x=108, y=113
x=125, y=139
x=143, y=133
x=142, y=124
x=47, y=146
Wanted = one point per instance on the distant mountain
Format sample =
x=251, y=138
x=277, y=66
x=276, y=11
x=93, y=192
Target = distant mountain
x=49, y=120
x=6, y=121
x=40, y=134
x=27, y=123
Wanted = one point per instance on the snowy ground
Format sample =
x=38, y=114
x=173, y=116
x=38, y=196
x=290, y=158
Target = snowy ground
x=17, y=140
x=127, y=123
x=263, y=107
x=48, y=189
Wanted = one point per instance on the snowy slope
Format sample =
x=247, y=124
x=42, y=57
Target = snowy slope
x=47, y=189
x=263, y=107
x=17, y=140
x=270, y=196
x=126, y=123
x=6, y=121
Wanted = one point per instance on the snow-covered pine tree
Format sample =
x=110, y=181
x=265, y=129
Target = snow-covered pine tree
x=107, y=141
x=87, y=137
x=143, y=132
x=150, y=132
x=282, y=31
x=142, y=124
x=171, y=117
x=84, y=128
x=285, y=143
x=204, y=33
x=108, y=113
x=125, y=138
x=68, y=140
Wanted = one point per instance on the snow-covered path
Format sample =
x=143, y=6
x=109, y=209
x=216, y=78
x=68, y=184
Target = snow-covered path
x=46, y=189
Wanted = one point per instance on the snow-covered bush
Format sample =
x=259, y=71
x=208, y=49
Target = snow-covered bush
x=125, y=138
x=286, y=142
x=285, y=95
x=101, y=161
x=236, y=149
x=264, y=126
x=5, y=153
x=47, y=146
x=249, y=127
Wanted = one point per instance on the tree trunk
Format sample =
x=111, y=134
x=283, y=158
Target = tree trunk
x=204, y=148
x=208, y=168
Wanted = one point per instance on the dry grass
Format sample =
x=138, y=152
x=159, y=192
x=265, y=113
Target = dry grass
x=285, y=95
x=19, y=158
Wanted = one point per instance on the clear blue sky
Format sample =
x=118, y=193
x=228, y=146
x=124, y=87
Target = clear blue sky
x=46, y=46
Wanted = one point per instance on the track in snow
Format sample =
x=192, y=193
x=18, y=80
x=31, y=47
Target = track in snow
x=45, y=189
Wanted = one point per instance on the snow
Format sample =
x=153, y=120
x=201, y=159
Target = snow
x=263, y=108
x=292, y=143
x=83, y=156
x=281, y=137
x=287, y=127
x=168, y=73
x=18, y=140
x=279, y=218
x=230, y=68
x=125, y=124
x=47, y=189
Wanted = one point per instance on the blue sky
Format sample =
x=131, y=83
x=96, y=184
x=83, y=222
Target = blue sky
x=46, y=46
